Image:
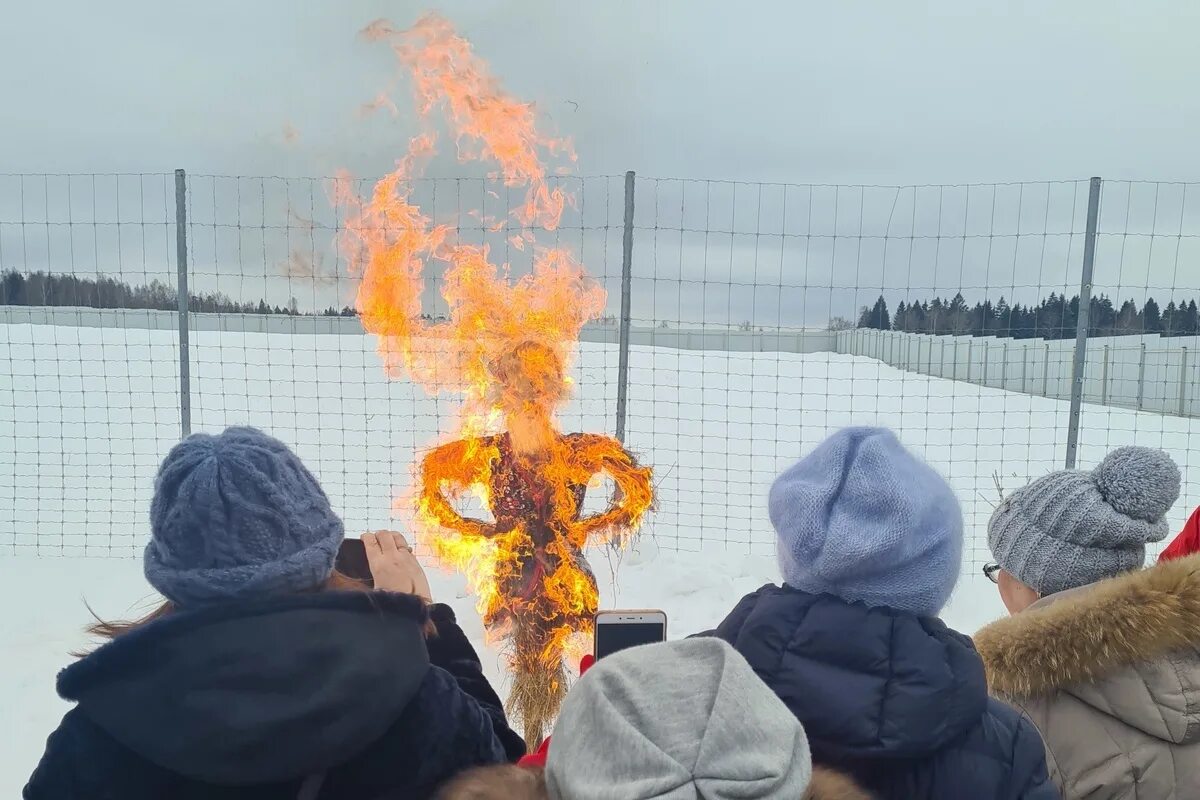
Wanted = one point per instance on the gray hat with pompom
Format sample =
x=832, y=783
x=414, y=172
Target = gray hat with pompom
x=1071, y=528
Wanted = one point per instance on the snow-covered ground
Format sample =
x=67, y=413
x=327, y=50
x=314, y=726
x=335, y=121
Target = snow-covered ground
x=86, y=414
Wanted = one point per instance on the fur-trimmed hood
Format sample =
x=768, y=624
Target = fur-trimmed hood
x=1128, y=646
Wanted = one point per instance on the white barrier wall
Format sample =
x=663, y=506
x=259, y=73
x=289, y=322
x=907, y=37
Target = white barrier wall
x=1150, y=373
x=676, y=338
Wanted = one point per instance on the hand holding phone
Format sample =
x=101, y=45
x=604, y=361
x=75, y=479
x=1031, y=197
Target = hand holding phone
x=394, y=566
x=386, y=561
x=618, y=630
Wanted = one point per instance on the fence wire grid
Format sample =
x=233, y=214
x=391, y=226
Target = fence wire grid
x=761, y=317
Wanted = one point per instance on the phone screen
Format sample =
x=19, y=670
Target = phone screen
x=615, y=636
x=352, y=561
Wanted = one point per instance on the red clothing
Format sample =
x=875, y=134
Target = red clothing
x=1187, y=542
x=538, y=759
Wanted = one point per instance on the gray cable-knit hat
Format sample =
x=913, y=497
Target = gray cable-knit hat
x=676, y=721
x=237, y=515
x=1073, y=528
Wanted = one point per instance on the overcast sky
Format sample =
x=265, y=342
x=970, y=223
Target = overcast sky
x=876, y=92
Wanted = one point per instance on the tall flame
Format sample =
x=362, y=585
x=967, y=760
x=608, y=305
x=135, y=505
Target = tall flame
x=506, y=347
x=390, y=238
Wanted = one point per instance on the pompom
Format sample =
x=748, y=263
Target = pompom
x=1139, y=482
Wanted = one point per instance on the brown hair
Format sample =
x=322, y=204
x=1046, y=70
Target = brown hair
x=504, y=782
x=111, y=629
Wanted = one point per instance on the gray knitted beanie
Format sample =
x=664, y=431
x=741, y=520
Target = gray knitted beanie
x=1071, y=528
x=676, y=721
x=237, y=515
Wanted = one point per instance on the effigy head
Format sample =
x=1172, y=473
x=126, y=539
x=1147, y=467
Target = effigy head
x=529, y=377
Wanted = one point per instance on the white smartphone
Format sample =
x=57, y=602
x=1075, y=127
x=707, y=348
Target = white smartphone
x=618, y=630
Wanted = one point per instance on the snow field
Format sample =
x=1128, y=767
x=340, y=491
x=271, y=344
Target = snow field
x=86, y=414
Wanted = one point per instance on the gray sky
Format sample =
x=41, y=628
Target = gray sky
x=798, y=92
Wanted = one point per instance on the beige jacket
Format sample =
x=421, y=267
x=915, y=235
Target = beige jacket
x=1110, y=674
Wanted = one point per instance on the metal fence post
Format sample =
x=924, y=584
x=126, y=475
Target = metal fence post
x=181, y=289
x=1025, y=369
x=1003, y=367
x=626, y=287
x=1081, y=327
x=1141, y=392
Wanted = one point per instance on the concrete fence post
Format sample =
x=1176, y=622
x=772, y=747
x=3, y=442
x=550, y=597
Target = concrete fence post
x=1046, y=373
x=1104, y=379
x=1141, y=387
x=1183, y=369
x=1025, y=369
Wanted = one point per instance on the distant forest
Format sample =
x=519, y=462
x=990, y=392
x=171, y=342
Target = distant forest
x=1055, y=317
x=48, y=289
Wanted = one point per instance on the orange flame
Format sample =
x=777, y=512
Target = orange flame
x=506, y=346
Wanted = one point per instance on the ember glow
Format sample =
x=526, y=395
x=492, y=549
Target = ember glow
x=506, y=347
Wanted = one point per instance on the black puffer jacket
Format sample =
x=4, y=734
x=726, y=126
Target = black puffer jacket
x=335, y=695
x=897, y=702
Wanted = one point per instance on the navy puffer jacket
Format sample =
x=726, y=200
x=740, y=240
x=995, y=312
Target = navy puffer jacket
x=898, y=702
x=327, y=696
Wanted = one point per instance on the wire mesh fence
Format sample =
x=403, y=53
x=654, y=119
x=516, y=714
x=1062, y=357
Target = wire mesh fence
x=761, y=318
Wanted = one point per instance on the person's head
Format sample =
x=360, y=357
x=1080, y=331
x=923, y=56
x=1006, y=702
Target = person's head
x=863, y=519
x=1016, y=596
x=1073, y=528
x=502, y=782
x=672, y=721
x=201, y=538
x=238, y=516
x=529, y=379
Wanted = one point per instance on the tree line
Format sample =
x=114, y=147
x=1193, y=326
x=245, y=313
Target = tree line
x=1055, y=317
x=49, y=289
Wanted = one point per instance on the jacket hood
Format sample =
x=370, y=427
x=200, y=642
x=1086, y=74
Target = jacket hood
x=1128, y=647
x=865, y=682
x=257, y=692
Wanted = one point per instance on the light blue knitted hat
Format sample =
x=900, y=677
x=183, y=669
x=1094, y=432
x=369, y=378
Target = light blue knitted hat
x=1072, y=528
x=237, y=516
x=863, y=519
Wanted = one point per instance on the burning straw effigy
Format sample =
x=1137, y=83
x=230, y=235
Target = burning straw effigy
x=506, y=347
